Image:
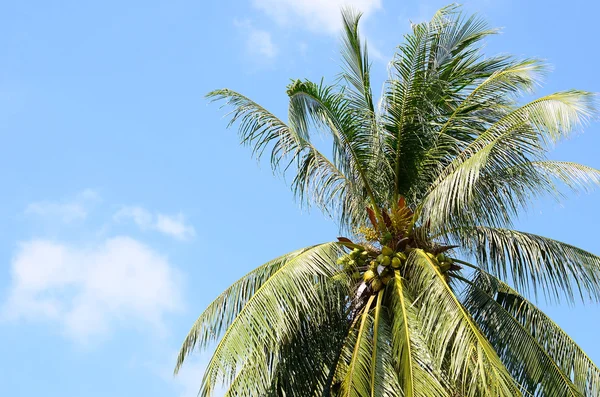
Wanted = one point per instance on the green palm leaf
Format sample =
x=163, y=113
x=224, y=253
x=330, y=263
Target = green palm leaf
x=317, y=179
x=504, y=145
x=219, y=315
x=535, y=262
x=453, y=335
x=357, y=379
x=526, y=359
x=418, y=373
x=535, y=348
x=324, y=108
x=293, y=287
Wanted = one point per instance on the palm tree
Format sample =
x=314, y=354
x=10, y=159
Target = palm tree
x=422, y=296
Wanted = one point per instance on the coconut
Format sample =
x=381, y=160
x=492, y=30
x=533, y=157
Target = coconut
x=396, y=262
x=376, y=284
x=369, y=275
x=364, y=254
x=386, y=261
x=445, y=266
x=401, y=256
x=387, y=251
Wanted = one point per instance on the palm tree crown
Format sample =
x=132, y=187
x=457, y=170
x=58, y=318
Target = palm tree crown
x=425, y=184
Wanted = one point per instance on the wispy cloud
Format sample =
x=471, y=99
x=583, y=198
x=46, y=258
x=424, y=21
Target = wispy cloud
x=91, y=291
x=258, y=42
x=262, y=43
x=317, y=15
x=66, y=211
x=171, y=225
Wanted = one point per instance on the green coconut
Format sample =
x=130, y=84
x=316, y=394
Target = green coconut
x=387, y=251
x=369, y=275
x=445, y=266
x=401, y=255
x=377, y=284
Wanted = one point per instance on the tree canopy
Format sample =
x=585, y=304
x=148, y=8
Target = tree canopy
x=421, y=297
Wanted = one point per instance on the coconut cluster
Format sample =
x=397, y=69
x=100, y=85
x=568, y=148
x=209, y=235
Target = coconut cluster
x=396, y=231
x=441, y=262
x=381, y=269
x=377, y=269
x=354, y=262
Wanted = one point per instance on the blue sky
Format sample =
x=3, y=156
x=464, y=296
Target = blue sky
x=127, y=207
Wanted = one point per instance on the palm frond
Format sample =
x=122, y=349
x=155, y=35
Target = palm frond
x=521, y=353
x=320, y=106
x=317, y=179
x=453, y=336
x=377, y=356
x=576, y=177
x=356, y=64
x=298, y=367
x=357, y=379
x=271, y=314
x=402, y=102
x=418, y=374
x=513, y=140
x=534, y=262
x=515, y=79
x=433, y=72
x=219, y=315
x=538, y=350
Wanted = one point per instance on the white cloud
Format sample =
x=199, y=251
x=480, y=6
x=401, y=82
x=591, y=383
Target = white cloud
x=68, y=211
x=318, y=15
x=93, y=290
x=262, y=43
x=172, y=225
x=140, y=216
x=258, y=42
